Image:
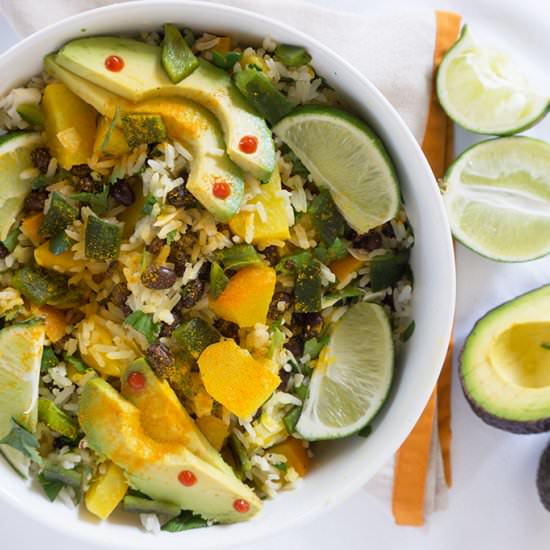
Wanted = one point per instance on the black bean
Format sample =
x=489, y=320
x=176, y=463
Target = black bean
x=178, y=256
x=280, y=302
x=158, y=277
x=59, y=345
x=111, y=268
x=296, y=346
x=160, y=358
x=155, y=246
x=123, y=193
x=181, y=198
x=387, y=229
x=40, y=158
x=271, y=254
x=310, y=324
x=3, y=251
x=167, y=329
x=35, y=200
x=227, y=329
x=191, y=293
x=85, y=184
x=81, y=170
x=204, y=271
x=368, y=241
x=119, y=294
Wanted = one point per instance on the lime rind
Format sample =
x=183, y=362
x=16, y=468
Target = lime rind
x=481, y=91
x=497, y=196
x=344, y=155
x=353, y=376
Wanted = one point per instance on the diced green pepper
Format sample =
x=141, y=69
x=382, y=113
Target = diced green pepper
x=40, y=286
x=32, y=114
x=240, y=455
x=218, y=280
x=225, y=60
x=308, y=288
x=291, y=56
x=238, y=256
x=263, y=95
x=60, y=243
x=291, y=419
x=177, y=58
x=387, y=269
x=60, y=214
x=189, y=37
x=11, y=240
x=142, y=505
x=148, y=204
x=102, y=239
x=56, y=419
x=326, y=217
x=143, y=128
x=350, y=291
x=194, y=335
x=76, y=362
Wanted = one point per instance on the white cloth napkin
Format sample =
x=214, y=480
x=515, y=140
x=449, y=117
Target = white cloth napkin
x=394, y=50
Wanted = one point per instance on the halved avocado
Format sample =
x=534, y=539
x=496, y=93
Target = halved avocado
x=505, y=364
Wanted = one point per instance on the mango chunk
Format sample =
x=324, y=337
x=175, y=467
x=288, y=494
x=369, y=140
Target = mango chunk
x=224, y=45
x=70, y=125
x=214, y=429
x=109, y=139
x=234, y=378
x=64, y=262
x=342, y=268
x=246, y=298
x=295, y=453
x=30, y=228
x=56, y=325
x=107, y=491
x=275, y=224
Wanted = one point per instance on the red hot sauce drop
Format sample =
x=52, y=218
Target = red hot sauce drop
x=241, y=506
x=221, y=189
x=248, y=144
x=136, y=380
x=114, y=63
x=187, y=478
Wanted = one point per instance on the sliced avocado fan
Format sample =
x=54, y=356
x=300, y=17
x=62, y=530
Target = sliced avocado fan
x=185, y=121
x=143, y=77
x=166, y=471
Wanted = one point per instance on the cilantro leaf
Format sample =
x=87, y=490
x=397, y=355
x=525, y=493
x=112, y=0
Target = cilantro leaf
x=143, y=322
x=49, y=359
x=185, y=521
x=98, y=202
x=171, y=236
x=313, y=347
x=22, y=440
x=52, y=487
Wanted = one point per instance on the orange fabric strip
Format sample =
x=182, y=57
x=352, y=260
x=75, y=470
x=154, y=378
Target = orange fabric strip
x=412, y=459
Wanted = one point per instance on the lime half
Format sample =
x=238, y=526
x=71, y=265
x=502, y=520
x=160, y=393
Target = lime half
x=481, y=90
x=497, y=195
x=343, y=154
x=353, y=375
x=20, y=357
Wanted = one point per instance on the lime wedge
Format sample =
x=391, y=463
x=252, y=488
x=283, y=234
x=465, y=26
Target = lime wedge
x=343, y=154
x=15, y=156
x=497, y=195
x=20, y=357
x=481, y=90
x=353, y=376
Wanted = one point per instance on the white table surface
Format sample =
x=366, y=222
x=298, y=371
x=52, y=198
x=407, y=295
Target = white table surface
x=493, y=503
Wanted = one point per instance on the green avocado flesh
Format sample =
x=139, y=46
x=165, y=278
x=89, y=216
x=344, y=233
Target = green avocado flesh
x=185, y=121
x=114, y=428
x=143, y=77
x=505, y=362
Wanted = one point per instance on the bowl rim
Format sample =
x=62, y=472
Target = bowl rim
x=76, y=22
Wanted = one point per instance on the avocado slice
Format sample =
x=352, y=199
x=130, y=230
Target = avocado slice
x=504, y=364
x=164, y=418
x=185, y=121
x=15, y=156
x=143, y=77
x=114, y=429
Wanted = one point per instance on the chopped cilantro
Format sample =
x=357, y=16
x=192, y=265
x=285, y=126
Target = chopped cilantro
x=143, y=322
x=21, y=439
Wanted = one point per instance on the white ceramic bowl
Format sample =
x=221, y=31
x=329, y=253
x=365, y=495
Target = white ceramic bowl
x=340, y=467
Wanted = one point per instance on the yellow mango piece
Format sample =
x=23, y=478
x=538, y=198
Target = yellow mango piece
x=253, y=59
x=106, y=491
x=342, y=268
x=202, y=401
x=56, y=325
x=70, y=125
x=275, y=226
x=295, y=453
x=234, y=378
x=224, y=45
x=30, y=227
x=214, y=429
x=246, y=298
x=114, y=143
x=93, y=335
x=64, y=262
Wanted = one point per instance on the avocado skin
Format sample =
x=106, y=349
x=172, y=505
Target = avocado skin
x=521, y=427
x=543, y=478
